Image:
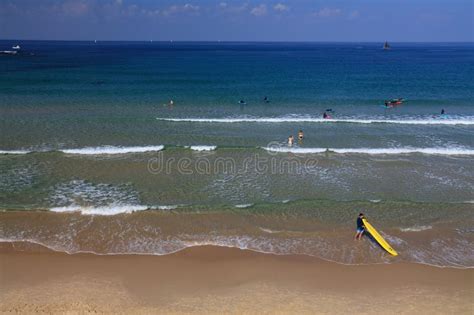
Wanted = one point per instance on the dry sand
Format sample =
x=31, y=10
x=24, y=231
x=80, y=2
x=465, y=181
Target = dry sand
x=215, y=280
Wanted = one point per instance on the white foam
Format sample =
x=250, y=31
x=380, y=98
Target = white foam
x=269, y=230
x=112, y=150
x=105, y=210
x=427, y=121
x=245, y=205
x=374, y=151
x=375, y=200
x=167, y=207
x=417, y=228
x=202, y=147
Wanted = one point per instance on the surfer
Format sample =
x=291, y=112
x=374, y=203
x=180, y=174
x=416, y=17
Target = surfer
x=360, y=227
x=266, y=100
x=442, y=111
x=290, y=140
x=300, y=135
x=326, y=115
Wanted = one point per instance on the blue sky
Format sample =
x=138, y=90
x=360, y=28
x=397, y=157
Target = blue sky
x=236, y=20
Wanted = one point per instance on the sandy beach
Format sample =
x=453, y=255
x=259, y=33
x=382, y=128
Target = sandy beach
x=216, y=280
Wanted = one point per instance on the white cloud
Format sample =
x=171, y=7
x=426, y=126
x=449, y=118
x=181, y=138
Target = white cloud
x=227, y=8
x=327, y=12
x=259, y=10
x=187, y=8
x=280, y=7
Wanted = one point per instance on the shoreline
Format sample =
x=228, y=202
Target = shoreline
x=213, y=280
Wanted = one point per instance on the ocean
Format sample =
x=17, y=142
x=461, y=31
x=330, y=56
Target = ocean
x=94, y=158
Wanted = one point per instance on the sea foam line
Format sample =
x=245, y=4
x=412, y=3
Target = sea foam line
x=110, y=209
x=440, y=121
x=202, y=147
x=102, y=210
x=416, y=228
x=112, y=150
x=373, y=151
x=109, y=150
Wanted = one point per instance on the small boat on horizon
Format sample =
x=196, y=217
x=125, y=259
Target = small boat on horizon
x=16, y=47
x=386, y=46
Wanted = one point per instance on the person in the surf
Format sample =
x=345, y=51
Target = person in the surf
x=360, y=227
x=326, y=115
x=300, y=135
x=290, y=140
x=266, y=100
x=389, y=104
x=442, y=111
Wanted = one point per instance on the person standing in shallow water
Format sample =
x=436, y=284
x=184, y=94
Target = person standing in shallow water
x=300, y=135
x=360, y=227
x=290, y=140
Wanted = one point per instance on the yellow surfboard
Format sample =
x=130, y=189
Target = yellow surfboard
x=382, y=242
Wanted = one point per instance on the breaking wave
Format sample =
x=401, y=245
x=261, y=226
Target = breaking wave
x=373, y=151
x=113, y=150
x=425, y=121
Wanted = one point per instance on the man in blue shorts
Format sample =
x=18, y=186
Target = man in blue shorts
x=360, y=227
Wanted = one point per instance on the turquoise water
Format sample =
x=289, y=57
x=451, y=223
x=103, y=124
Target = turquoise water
x=86, y=130
x=74, y=94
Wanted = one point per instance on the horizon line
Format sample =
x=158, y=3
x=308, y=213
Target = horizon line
x=228, y=41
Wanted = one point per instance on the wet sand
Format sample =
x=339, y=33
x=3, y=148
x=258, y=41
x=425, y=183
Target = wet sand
x=216, y=280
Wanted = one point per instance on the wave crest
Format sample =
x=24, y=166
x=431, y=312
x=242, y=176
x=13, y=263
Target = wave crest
x=373, y=151
x=426, y=121
x=113, y=150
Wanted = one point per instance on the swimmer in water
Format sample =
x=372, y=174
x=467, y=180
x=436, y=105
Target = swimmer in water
x=326, y=116
x=300, y=135
x=170, y=104
x=266, y=100
x=290, y=140
x=442, y=112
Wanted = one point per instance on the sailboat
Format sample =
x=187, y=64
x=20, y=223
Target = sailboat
x=386, y=46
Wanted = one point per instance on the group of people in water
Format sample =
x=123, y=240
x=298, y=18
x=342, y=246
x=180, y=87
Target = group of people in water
x=265, y=100
x=291, y=139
